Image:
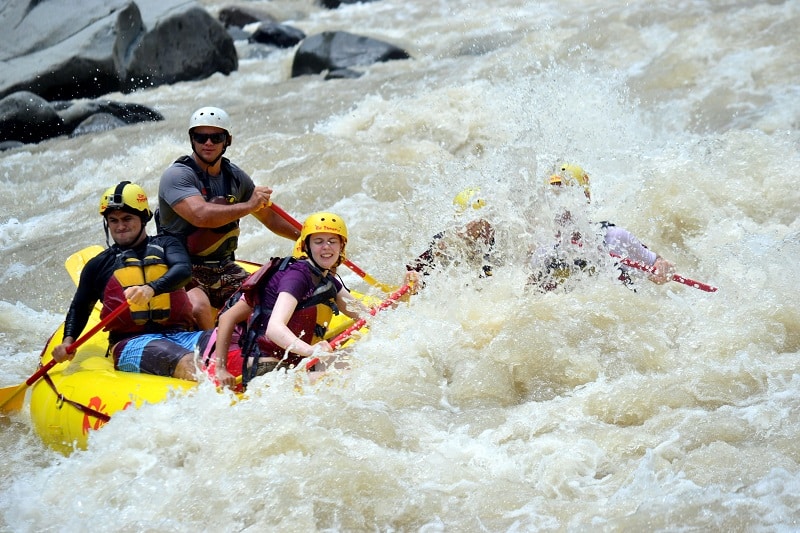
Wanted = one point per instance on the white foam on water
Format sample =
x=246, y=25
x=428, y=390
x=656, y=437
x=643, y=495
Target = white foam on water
x=482, y=404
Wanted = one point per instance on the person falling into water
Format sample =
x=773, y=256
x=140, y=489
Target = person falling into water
x=152, y=336
x=471, y=242
x=201, y=199
x=554, y=264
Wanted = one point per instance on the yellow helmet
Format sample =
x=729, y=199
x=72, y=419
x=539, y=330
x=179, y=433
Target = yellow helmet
x=321, y=222
x=297, y=251
x=128, y=197
x=569, y=174
x=469, y=197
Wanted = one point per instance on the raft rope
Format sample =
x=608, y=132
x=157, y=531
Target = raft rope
x=79, y=406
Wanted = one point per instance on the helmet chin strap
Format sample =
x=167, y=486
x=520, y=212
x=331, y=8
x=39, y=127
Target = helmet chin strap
x=141, y=231
x=105, y=229
x=209, y=164
x=320, y=271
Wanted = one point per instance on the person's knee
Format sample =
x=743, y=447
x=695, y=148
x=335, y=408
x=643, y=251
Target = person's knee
x=198, y=298
x=202, y=314
x=186, y=368
x=202, y=311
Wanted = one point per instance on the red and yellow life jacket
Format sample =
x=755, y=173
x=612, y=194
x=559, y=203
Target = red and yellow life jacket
x=168, y=311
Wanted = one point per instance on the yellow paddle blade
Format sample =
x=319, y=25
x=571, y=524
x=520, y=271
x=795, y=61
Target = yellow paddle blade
x=340, y=328
x=11, y=398
x=75, y=263
x=382, y=286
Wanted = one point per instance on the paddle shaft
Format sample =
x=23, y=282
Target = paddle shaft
x=70, y=349
x=349, y=264
x=675, y=277
x=361, y=322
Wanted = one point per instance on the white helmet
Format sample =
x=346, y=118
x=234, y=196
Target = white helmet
x=210, y=116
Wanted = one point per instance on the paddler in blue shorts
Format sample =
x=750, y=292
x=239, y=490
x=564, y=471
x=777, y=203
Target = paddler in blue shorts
x=153, y=336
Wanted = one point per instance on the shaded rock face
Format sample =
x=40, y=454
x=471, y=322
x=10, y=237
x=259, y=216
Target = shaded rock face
x=277, y=35
x=53, y=51
x=62, y=49
x=334, y=51
x=241, y=16
x=191, y=46
x=28, y=118
x=97, y=123
x=74, y=114
x=333, y=4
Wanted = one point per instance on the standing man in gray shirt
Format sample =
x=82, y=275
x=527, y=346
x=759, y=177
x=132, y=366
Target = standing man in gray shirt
x=201, y=198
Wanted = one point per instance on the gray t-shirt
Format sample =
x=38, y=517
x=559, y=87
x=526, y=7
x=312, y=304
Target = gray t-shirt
x=180, y=181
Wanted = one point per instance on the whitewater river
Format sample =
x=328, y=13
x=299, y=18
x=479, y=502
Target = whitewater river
x=481, y=405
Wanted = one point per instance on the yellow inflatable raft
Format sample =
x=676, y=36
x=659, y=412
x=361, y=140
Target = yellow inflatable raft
x=79, y=396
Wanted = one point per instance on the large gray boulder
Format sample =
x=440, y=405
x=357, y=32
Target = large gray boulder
x=28, y=118
x=180, y=44
x=279, y=35
x=340, y=50
x=63, y=49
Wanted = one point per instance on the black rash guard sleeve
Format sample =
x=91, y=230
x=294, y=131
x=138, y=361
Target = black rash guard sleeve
x=94, y=278
x=99, y=269
x=179, y=266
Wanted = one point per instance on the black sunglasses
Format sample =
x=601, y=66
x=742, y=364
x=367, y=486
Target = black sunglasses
x=216, y=138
